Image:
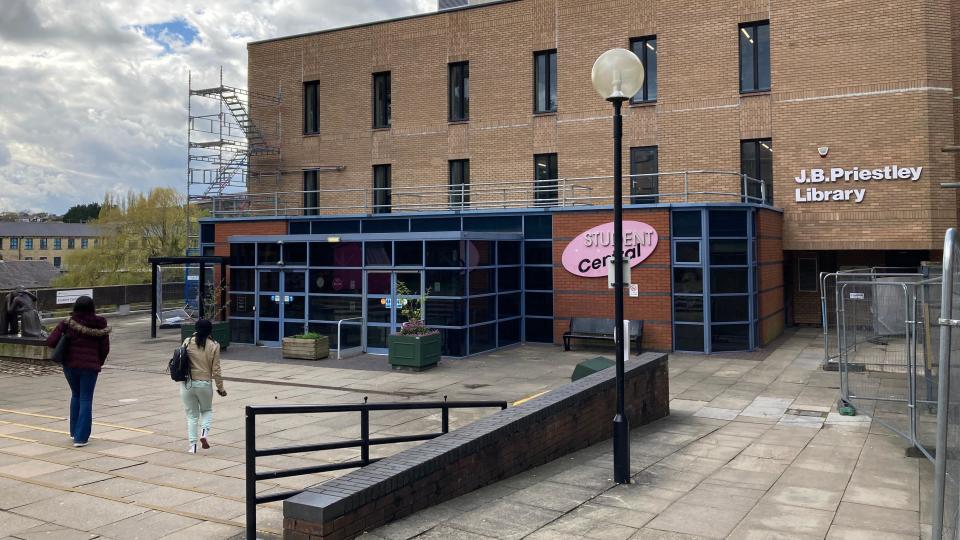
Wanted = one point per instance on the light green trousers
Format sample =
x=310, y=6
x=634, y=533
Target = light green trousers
x=197, y=399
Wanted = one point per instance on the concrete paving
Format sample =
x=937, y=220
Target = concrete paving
x=753, y=449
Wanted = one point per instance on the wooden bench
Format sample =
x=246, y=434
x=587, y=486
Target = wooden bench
x=600, y=329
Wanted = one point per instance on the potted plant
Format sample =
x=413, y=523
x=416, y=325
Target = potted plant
x=306, y=346
x=217, y=316
x=415, y=346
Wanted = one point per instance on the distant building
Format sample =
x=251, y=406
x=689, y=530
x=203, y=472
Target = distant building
x=26, y=274
x=31, y=241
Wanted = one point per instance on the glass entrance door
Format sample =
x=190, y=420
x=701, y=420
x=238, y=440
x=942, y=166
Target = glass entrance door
x=387, y=294
x=281, y=305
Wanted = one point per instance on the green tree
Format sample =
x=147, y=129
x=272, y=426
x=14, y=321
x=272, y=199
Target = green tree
x=82, y=213
x=133, y=229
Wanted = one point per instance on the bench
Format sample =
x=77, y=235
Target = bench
x=600, y=329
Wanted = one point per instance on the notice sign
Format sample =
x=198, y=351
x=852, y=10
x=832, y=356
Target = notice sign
x=590, y=252
x=856, y=296
x=69, y=297
x=840, y=184
x=634, y=290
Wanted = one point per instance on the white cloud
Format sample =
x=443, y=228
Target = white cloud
x=94, y=95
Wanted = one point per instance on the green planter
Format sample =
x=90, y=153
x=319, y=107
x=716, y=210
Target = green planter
x=414, y=352
x=221, y=332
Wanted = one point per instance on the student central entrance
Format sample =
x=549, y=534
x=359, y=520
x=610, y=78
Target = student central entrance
x=388, y=294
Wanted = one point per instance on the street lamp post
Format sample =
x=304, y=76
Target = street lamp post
x=617, y=76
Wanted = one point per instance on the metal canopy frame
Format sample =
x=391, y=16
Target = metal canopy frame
x=202, y=261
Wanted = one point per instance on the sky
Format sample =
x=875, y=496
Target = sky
x=93, y=92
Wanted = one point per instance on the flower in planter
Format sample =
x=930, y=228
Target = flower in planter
x=416, y=327
x=308, y=335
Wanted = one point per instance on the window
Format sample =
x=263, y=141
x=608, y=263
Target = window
x=43, y=243
x=311, y=108
x=646, y=50
x=459, y=183
x=1, y=244
x=84, y=243
x=27, y=243
x=71, y=243
x=381, y=100
x=14, y=243
x=755, y=57
x=43, y=258
x=545, y=82
x=545, y=179
x=756, y=162
x=57, y=243
x=644, y=182
x=311, y=198
x=56, y=262
x=381, y=189
x=28, y=258
x=459, y=91
x=807, y=275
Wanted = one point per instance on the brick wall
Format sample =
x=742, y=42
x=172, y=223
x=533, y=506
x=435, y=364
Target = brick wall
x=499, y=446
x=576, y=296
x=770, y=274
x=223, y=230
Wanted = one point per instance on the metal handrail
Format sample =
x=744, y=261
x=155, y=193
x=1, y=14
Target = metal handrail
x=339, y=338
x=364, y=443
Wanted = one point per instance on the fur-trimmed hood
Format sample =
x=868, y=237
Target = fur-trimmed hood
x=86, y=330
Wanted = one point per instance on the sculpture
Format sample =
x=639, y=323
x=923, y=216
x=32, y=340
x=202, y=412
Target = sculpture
x=20, y=307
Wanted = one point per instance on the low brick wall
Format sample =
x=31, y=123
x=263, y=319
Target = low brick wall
x=564, y=420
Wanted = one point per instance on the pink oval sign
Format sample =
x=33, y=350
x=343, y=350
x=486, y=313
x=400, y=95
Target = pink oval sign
x=588, y=254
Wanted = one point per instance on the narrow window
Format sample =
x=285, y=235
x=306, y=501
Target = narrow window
x=756, y=164
x=43, y=243
x=14, y=243
x=381, y=100
x=311, y=197
x=646, y=50
x=755, y=57
x=84, y=243
x=381, y=189
x=644, y=182
x=1, y=246
x=311, y=108
x=71, y=243
x=545, y=179
x=459, y=183
x=56, y=262
x=28, y=243
x=459, y=91
x=545, y=82
x=57, y=243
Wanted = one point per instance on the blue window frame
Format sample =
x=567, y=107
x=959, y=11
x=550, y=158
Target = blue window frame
x=28, y=244
x=14, y=243
x=57, y=243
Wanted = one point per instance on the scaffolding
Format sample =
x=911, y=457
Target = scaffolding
x=226, y=149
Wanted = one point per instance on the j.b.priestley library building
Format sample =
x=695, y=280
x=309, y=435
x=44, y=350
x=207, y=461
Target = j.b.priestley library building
x=464, y=154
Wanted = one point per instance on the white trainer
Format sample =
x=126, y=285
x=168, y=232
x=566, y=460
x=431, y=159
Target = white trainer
x=80, y=444
x=192, y=449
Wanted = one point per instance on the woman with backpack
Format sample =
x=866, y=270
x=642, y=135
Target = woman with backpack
x=87, y=349
x=197, y=391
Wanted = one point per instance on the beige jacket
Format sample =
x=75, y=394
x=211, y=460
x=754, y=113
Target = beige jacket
x=205, y=362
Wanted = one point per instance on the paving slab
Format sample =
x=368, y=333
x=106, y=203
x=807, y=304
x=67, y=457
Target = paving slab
x=79, y=511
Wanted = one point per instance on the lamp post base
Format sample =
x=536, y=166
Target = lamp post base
x=621, y=449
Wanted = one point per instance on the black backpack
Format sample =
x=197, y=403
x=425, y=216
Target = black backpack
x=179, y=365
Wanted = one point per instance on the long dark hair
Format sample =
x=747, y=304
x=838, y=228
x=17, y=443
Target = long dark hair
x=204, y=328
x=83, y=305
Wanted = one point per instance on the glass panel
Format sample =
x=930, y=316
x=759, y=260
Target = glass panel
x=293, y=329
x=408, y=253
x=240, y=254
x=493, y=224
x=269, y=306
x=540, y=87
x=295, y=253
x=730, y=337
x=242, y=280
x=269, y=331
x=644, y=161
x=483, y=309
x=765, y=167
x=378, y=283
x=295, y=307
x=688, y=308
x=270, y=281
x=445, y=312
x=748, y=80
x=334, y=308
x=335, y=226
x=242, y=305
x=386, y=225
x=728, y=280
x=728, y=223
x=687, y=252
x=444, y=254
x=479, y=253
x=435, y=224
x=538, y=252
x=509, y=305
x=268, y=253
x=350, y=333
x=241, y=331
x=539, y=330
x=453, y=342
x=688, y=280
x=538, y=227
x=763, y=57
x=539, y=304
x=336, y=254
x=445, y=282
x=377, y=310
x=410, y=281
x=377, y=337
x=336, y=281
x=688, y=337
x=538, y=278
x=378, y=253
x=295, y=282
x=729, y=308
x=481, y=281
x=650, y=80
x=508, y=332
x=483, y=338
x=508, y=252
x=728, y=252
x=686, y=224
x=508, y=279
x=552, y=58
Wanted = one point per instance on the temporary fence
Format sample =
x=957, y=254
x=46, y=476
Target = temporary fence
x=946, y=493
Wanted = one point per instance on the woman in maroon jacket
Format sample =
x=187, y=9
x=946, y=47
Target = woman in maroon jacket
x=89, y=346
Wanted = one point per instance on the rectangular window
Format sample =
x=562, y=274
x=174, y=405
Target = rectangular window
x=28, y=243
x=56, y=262
x=43, y=243
x=14, y=243
x=381, y=100
x=459, y=183
x=381, y=189
x=545, y=179
x=646, y=50
x=644, y=182
x=545, y=81
x=71, y=243
x=311, y=108
x=311, y=197
x=57, y=243
x=84, y=243
x=755, y=57
x=756, y=163
x=459, y=91
x=1, y=243
x=807, y=275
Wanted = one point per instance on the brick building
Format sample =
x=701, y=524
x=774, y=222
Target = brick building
x=44, y=241
x=772, y=140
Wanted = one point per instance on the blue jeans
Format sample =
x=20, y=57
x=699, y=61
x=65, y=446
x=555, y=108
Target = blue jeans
x=82, y=383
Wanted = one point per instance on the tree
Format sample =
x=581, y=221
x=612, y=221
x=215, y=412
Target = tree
x=133, y=229
x=82, y=213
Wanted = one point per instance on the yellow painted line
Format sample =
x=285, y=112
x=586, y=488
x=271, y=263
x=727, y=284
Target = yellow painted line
x=16, y=438
x=122, y=427
x=33, y=414
x=104, y=424
x=528, y=398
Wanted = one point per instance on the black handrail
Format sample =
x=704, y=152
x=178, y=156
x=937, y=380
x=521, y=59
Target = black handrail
x=364, y=443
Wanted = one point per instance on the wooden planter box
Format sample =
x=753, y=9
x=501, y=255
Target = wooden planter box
x=220, y=333
x=414, y=352
x=306, y=349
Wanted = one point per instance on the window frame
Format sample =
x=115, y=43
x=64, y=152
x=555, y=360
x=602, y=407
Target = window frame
x=57, y=244
x=753, y=27
x=552, y=164
x=458, y=78
x=14, y=243
x=768, y=182
x=57, y=262
x=551, y=75
x=44, y=243
x=642, y=43
x=459, y=199
x=71, y=243
x=311, y=196
x=84, y=243
x=28, y=244
x=309, y=118
x=382, y=119
x=636, y=197
x=382, y=200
